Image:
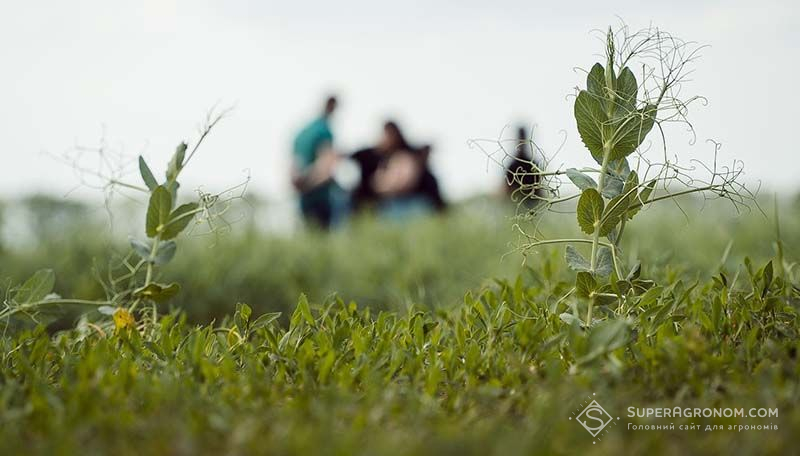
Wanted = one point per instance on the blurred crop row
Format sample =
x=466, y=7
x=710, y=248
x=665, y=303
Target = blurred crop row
x=427, y=262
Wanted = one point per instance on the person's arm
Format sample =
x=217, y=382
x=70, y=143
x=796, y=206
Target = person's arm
x=401, y=174
x=322, y=169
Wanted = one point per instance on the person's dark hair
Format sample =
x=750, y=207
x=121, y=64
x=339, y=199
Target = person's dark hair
x=393, y=129
x=523, y=146
x=330, y=105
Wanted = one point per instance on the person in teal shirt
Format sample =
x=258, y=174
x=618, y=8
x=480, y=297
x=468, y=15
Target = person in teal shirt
x=314, y=160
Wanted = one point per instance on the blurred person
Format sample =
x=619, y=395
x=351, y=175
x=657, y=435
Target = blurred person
x=370, y=160
x=407, y=184
x=314, y=160
x=521, y=174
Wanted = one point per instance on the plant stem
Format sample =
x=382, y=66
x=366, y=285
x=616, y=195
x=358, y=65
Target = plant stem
x=600, y=182
x=621, y=230
x=149, y=274
x=130, y=186
x=589, y=313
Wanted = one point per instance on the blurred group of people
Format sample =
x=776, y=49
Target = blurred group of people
x=395, y=177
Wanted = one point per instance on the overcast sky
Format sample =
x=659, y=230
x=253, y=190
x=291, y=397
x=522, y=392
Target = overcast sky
x=145, y=73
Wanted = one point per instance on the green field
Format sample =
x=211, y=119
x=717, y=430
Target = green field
x=434, y=342
x=641, y=305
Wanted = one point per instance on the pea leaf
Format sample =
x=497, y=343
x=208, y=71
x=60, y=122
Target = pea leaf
x=596, y=80
x=178, y=220
x=636, y=271
x=644, y=195
x=147, y=175
x=141, y=248
x=612, y=186
x=302, y=312
x=581, y=180
x=590, y=210
x=614, y=182
x=585, y=284
x=176, y=163
x=631, y=184
x=626, y=92
x=37, y=287
x=575, y=260
x=265, y=319
x=605, y=262
x=165, y=253
x=605, y=337
x=158, y=210
x=157, y=292
x=629, y=131
x=613, y=213
x=591, y=118
x=173, y=190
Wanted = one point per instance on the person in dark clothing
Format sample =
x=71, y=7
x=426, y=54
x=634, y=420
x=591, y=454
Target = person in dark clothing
x=370, y=160
x=428, y=186
x=522, y=178
x=395, y=177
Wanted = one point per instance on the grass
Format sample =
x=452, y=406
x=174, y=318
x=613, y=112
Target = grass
x=433, y=345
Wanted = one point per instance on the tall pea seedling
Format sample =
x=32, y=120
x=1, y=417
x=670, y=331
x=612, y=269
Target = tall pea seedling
x=632, y=94
x=133, y=285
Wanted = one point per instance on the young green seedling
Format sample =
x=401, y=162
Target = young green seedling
x=134, y=282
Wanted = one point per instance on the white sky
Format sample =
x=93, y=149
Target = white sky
x=448, y=71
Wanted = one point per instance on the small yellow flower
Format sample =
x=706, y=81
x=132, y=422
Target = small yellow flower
x=123, y=319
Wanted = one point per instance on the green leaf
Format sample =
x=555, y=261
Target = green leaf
x=37, y=287
x=612, y=214
x=606, y=337
x=157, y=292
x=644, y=195
x=590, y=209
x=650, y=297
x=173, y=190
x=178, y=220
x=570, y=319
x=626, y=92
x=265, y=320
x=636, y=271
x=147, y=175
x=614, y=182
x=165, y=253
x=575, y=260
x=581, y=180
x=591, y=119
x=629, y=131
x=612, y=186
x=141, y=248
x=176, y=163
x=158, y=210
x=619, y=167
x=596, y=80
x=303, y=311
x=631, y=184
x=767, y=278
x=242, y=316
x=605, y=262
x=585, y=284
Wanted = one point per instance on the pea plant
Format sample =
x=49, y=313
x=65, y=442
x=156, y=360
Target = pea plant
x=132, y=283
x=634, y=93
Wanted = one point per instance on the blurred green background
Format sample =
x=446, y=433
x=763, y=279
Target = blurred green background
x=428, y=262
